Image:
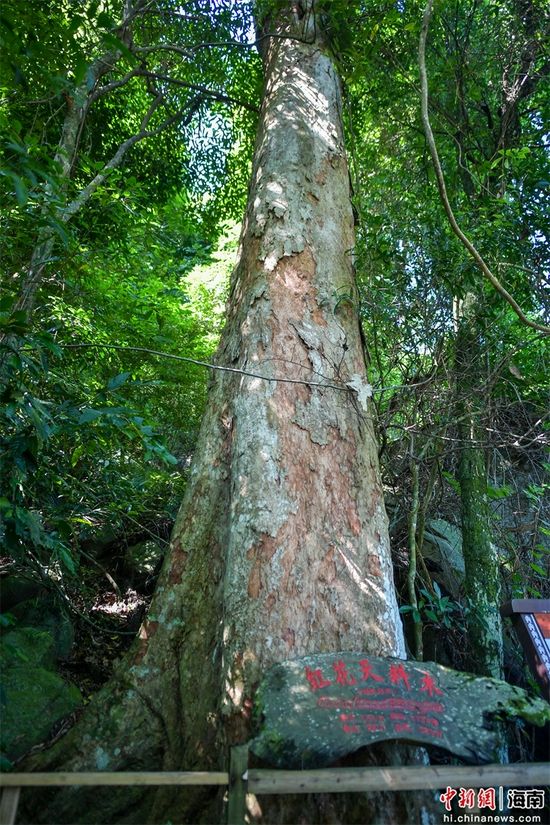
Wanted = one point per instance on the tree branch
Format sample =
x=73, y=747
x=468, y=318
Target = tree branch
x=166, y=47
x=341, y=387
x=207, y=365
x=443, y=189
x=116, y=84
x=204, y=90
x=85, y=194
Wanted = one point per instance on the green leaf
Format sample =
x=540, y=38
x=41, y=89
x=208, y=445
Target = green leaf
x=495, y=493
x=114, y=42
x=77, y=22
x=89, y=415
x=452, y=481
x=80, y=69
x=64, y=528
x=76, y=454
x=34, y=523
x=5, y=764
x=105, y=21
x=67, y=559
x=21, y=192
x=47, y=341
x=41, y=427
x=15, y=651
x=117, y=382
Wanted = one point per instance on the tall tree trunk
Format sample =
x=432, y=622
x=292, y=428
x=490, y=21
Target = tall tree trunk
x=281, y=546
x=482, y=568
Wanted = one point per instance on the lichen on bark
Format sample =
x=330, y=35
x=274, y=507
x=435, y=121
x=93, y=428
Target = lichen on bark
x=482, y=567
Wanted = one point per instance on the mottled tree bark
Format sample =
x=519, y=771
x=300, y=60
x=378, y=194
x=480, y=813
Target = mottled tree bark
x=281, y=545
x=482, y=567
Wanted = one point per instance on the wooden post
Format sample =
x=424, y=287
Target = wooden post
x=238, y=785
x=8, y=805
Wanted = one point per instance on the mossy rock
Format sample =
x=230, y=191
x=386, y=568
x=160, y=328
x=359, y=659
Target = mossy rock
x=16, y=589
x=144, y=556
x=28, y=646
x=47, y=614
x=33, y=701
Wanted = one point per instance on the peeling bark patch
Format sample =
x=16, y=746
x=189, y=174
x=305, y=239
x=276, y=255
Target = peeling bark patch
x=327, y=569
x=177, y=568
x=321, y=177
x=288, y=637
x=270, y=601
x=373, y=563
x=254, y=582
x=262, y=555
x=147, y=631
x=293, y=292
x=288, y=561
x=353, y=519
x=139, y=655
x=268, y=547
x=315, y=417
x=149, y=628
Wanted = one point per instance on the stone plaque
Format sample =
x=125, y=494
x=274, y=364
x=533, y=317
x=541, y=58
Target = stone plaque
x=317, y=709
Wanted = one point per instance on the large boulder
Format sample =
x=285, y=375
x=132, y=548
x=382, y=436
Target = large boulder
x=47, y=614
x=97, y=542
x=33, y=697
x=144, y=556
x=18, y=588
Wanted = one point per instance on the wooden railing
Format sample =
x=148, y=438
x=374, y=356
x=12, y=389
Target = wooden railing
x=242, y=780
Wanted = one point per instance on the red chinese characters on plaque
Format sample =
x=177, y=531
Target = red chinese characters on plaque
x=383, y=708
x=314, y=710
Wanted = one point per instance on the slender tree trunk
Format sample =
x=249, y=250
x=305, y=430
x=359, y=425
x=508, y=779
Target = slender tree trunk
x=65, y=156
x=281, y=545
x=482, y=568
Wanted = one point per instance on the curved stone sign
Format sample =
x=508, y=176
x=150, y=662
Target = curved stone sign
x=319, y=708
